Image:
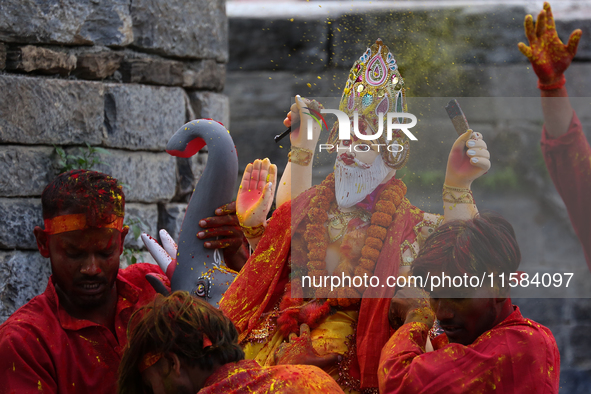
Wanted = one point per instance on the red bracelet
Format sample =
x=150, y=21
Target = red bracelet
x=552, y=86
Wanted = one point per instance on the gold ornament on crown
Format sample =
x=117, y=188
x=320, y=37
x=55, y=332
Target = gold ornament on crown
x=375, y=86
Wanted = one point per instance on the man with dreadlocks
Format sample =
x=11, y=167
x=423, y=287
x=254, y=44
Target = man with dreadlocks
x=356, y=223
x=182, y=345
x=70, y=338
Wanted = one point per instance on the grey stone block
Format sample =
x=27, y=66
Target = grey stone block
x=98, y=65
x=170, y=218
x=18, y=218
x=278, y=44
x=204, y=74
x=43, y=60
x=50, y=111
x=149, y=177
x=574, y=380
x=2, y=56
x=141, y=117
x=188, y=172
x=25, y=170
x=211, y=105
x=153, y=71
x=254, y=140
x=66, y=22
x=548, y=311
x=176, y=28
x=255, y=95
x=145, y=218
x=580, y=345
x=582, y=310
x=23, y=275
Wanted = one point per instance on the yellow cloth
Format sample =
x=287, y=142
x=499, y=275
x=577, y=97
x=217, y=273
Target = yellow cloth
x=332, y=336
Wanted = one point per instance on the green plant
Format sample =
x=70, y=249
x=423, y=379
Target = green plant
x=85, y=161
x=136, y=226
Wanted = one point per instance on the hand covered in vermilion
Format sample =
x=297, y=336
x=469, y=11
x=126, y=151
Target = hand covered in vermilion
x=222, y=231
x=256, y=192
x=410, y=304
x=548, y=55
x=299, y=350
x=468, y=160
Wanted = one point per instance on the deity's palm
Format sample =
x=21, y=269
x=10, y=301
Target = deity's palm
x=256, y=192
x=548, y=55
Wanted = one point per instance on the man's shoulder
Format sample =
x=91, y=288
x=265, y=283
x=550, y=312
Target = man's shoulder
x=520, y=331
x=137, y=272
x=39, y=312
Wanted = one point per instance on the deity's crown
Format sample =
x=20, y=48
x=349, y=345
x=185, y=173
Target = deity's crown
x=375, y=86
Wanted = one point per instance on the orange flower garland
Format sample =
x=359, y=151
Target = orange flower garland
x=317, y=239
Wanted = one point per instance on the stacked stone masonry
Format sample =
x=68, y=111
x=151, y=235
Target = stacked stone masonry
x=116, y=74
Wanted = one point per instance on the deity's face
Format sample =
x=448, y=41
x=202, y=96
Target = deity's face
x=358, y=171
x=84, y=264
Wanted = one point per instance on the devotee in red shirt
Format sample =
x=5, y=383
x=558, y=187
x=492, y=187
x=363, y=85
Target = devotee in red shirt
x=180, y=344
x=70, y=339
x=487, y=345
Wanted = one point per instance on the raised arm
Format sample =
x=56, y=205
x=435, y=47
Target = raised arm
x=297, y=176
x=550, y=58
x=566, y=150
x=468, y=160
x=254, y=199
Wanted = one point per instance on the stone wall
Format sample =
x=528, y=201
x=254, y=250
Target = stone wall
x=116, y=74
x=452, y=49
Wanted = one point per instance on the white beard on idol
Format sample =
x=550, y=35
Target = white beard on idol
x=356, y=181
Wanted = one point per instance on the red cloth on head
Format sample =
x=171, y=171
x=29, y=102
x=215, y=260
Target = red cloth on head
x=516, y=356
x=45, y=350
x=568, y=159
x=247, y=377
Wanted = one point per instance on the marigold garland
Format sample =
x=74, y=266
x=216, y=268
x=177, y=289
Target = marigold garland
x=382, y=217
x=317, y=239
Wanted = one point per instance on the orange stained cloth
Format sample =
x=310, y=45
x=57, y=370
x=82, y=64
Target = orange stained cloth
x=260, y=284
x=516, y=356
x=247, y=376
x=45, y=350
x=568, y=159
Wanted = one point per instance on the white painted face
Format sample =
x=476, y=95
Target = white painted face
x=355, y=179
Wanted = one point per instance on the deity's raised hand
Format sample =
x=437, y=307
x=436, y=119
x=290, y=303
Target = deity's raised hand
x=548, y=55
x=164, y=255
x=302, y=110
x=255, y=196
x=468, y=160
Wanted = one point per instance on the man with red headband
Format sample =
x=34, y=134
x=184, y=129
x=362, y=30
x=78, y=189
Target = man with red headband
x=566, y=150
x=487, y=346
x=70, y=339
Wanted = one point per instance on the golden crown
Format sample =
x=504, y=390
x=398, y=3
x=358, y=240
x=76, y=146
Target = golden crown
x=375, y=86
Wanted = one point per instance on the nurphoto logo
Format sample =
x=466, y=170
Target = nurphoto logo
x=394, y=121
